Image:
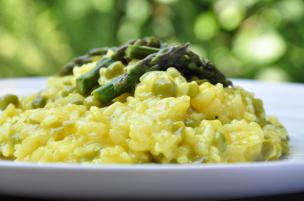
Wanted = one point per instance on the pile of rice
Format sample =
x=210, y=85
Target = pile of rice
x=185, y=122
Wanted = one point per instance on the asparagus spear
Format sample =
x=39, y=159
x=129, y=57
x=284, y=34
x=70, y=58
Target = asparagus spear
x=98, y=51
x=68, y=68
x=89, y=80
x=208, y=71
x=188, y=63
x=163, y=59
x=139, y=52
x=149, y=41
x=202, y=69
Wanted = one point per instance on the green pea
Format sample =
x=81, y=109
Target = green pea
x=8, y=99
x=164, y=88
x=39, y=102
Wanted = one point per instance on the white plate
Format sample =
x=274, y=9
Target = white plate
x=163, y=181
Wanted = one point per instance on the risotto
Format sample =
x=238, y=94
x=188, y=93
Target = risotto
x=165, y=118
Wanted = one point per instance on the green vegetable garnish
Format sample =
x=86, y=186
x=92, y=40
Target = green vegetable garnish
x=8, y=99
x=39, y=102
x=141, y=56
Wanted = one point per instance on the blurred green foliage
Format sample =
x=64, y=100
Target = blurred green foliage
x=262, y=39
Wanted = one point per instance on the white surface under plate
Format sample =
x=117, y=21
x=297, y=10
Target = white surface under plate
x=221, y=181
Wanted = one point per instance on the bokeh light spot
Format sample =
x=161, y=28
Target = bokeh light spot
x=225, y=61
x=77, y=9
x=103, y=6
x=230, y=13
x=166, y=1
x=205, y=26
x=259, y=47
x=163, y=27
x=291, y=9
x=138, y=10
x=127, y=31
x=272, y=16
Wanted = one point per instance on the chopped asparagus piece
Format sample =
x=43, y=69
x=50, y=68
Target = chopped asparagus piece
x=8, y=99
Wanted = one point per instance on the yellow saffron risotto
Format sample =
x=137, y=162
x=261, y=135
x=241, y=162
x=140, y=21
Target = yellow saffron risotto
x=166, y=120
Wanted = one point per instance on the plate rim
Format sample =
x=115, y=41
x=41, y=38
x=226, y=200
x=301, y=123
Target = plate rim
x=139, y=167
